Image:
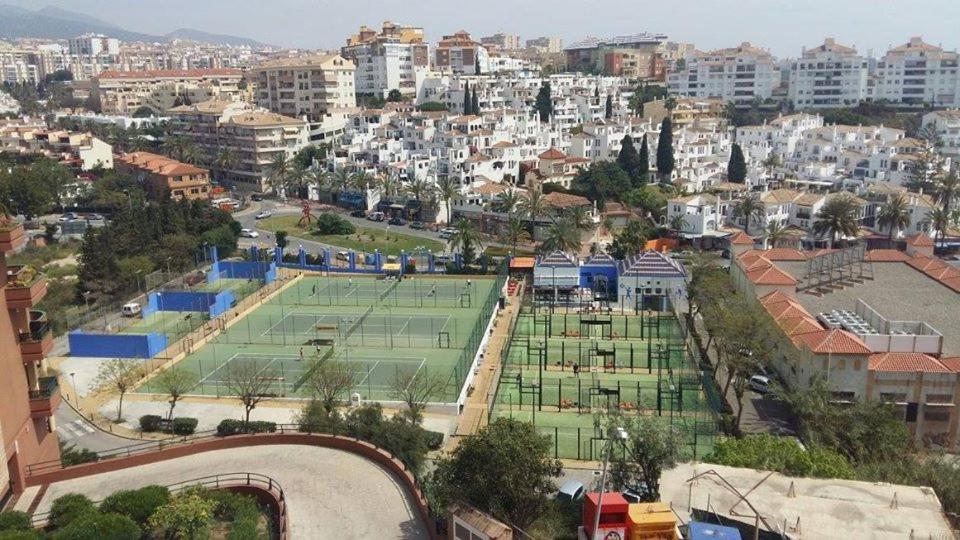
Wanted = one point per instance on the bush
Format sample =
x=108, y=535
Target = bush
x=150, y=423
x=232, y=427
x=68, y=508
x=71, y=455
x=334, y=224
x=183, y=426
x=432, y=106
x=13, y=520
x=434, y=440
x=20, y=535
x=783, y=455
x=240, y=511
x=136, y=504
x=94, y=526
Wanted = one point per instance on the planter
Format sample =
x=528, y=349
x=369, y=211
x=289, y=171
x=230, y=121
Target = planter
x=12, y=237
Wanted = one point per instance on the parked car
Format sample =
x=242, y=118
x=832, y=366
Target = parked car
x=417, y=225
x=263, y=214
x=130, y=310
x=397, y=221
x=358, y=213
x=343, y=256
x=759, y=384
x=571, y=490
x=249, y=233
x=375, y=216
x=639, y=493
x=69, y=216
x=256, y=197
x=447, y=233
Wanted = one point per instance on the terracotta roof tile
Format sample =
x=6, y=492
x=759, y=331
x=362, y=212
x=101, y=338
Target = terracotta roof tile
x=770, y=276
x=834, y=342
x=742, y=239
x=904, y=361
x=886, y=255
x=552, y=154
x=952, y=363
x=920, y=240
x=775, y=297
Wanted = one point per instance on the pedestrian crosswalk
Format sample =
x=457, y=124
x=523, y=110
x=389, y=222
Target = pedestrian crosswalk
x=74, y=430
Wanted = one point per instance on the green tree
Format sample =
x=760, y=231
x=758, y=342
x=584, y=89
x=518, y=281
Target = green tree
x=467, y=101
x=940, y=221
x=432, y=106
x=136, y=504
x=629, y=160
x=119, y=375
x=282, y=240
x=505, y=469
x=751, y=209
x=506, y=202
x=603, y=181
x=894, y=215
x=948, y=190
x=643, y=167
x=476, y=68
x=188, y=516
x=447, y=189
x=475, y=103
x=608, y=108
x=466, y=240
x=514, y=232
x=737, y=166
x=781, y=454
x=837, y=217
x=394, y=95
x=561, y=235
x=630, y=240
x=650, y=447
x=665, y=159
x=98, y=525
x=544, y=103
x=279, y=173
x=175, y=383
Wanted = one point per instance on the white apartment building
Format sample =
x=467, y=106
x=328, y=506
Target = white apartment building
x=8, y=104
x=947, y=126
x=739, y=74
x=79, y=150
x=459, y=53
x=504, y=42
x=918, y=73
x=94, y=45
x=829, y=75
x=396, y=58
x=123, y=92
x=251, y=137
x=549, y=45
x=319, y=88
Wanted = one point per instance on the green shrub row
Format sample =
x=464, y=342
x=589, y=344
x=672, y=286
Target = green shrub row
x=232, y=427
x=150, y=423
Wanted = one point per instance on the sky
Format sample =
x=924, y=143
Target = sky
x=782, y=26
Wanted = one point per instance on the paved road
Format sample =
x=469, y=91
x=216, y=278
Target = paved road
x=73, y=429
x=329, y=493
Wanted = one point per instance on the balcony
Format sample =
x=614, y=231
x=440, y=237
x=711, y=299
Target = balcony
x=36, y=344
x=25, y=287
x=44, y=402
x=11, y=235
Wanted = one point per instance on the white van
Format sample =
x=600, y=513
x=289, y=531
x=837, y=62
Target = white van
x=130, y=310
x=759, y=384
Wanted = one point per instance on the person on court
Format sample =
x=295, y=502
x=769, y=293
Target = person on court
x=313, y=291
x=301, y=354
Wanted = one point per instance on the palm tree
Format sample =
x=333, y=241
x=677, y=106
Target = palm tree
x=894, y=215
x=677, y=223
x=361, y=181
x=447, y=189
x=580, y=218
x=506, y=202
x=561, y=235
x=948, y=190
x=338, y=182
x=299, y=174
x=319, y=177
x=838, y=216
x=418, y=188
x=466, y=240
x=775, y=233
x=749, y=208
x=514, y=232
x=278, y=173
x=940, y=221
x=226, y=159
x=389, y=186
x=533, y=207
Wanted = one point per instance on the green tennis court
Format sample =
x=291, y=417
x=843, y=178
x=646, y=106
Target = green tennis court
x=175, y=324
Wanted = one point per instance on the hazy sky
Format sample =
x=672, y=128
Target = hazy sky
x=784, y=26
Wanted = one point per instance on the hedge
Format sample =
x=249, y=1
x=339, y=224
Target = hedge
x=96, y=525
x=183, y=426
x=70, y=507
x=434, y=440
x=150, y=423
x=233, y=427
x=12, y=520
x=136, y=504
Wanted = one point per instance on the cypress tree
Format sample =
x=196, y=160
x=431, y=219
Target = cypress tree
x=475, y=102
x=476, y=68
x=466, y=98
x=608, y=114
x=544, y=104
x=644, y=167
x=737, y=166
x=629, y=160
x=665, y=159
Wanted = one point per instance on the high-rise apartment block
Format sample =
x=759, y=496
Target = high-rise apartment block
x=738, y=74
x=388, y=60
x=829, y=75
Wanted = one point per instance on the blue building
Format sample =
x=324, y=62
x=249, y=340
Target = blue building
x=599, y=273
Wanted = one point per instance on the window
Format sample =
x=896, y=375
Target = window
x=939, y=398
x=893, y=397
x=844, y=396
x=936, y=415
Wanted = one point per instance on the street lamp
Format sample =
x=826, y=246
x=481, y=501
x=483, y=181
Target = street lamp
x=137, y=273
x=76, y=391
x=168, y=267
x=618, y=434
x=86, y=300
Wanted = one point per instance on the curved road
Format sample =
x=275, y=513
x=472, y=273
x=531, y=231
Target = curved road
x=330, y=493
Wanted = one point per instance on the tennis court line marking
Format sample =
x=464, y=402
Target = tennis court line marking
x=273, y=358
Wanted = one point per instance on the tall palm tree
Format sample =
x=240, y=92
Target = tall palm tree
x=318, y=177
x=447, y=190
x=339, y=181
x=750, y=208
x=580, y=218
x=533, y=207
x=895, y=215
x=514, y=232
x=676, y=224
x=278, y=173
x=226, y=159
x=389, y=186
x=362, y=181
x=506, y=202
x=298, y=176
x=775, y=233
x=948, y=190
x=940, y=221
x=466, y=240
x=418, y=188
x=561, y=235
x=837, y=217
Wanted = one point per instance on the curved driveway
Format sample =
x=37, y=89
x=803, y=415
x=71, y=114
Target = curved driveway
x=330, y=493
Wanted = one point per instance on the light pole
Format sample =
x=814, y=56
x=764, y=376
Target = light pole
x=168, y=267
x=76, y=391
x=86, y=300
x=619, y=434
x=137, y=273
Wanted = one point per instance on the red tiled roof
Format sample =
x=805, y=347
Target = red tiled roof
x=742, y=239
x=796, y=326
x=920, y=240
x=169, y=73
x=953, y=363
x=784, y=254
x=886, y=255
x=770, y=275
x=904, y=361
x=834, y=342
x=774, y=297
x=552, y=154
x=953, y=283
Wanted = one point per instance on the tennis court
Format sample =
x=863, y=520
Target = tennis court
x=374, y=340
x=175, y=324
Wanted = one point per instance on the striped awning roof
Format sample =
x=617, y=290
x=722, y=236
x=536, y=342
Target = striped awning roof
x=600, y=259
x=557, y=259
x=651, y=264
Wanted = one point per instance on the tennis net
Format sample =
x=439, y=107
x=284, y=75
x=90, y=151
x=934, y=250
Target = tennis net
x=389, y=290
x=356, y=324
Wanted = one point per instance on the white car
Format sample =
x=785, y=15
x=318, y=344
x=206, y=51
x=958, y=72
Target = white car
x=759, y=384
x=249, y=233
x=263, y=214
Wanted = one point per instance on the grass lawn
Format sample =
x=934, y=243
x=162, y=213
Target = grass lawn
x=366, y=239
